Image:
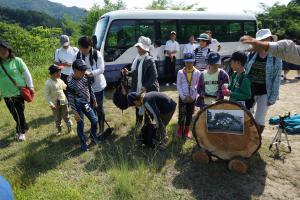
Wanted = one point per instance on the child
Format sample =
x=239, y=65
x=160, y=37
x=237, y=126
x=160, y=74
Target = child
x=187, y=80
x=202, y=51
x=56, y=98
x=211, y=81
x=80, y=97
x=240, y=87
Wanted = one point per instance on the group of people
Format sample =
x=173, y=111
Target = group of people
x=77, y=81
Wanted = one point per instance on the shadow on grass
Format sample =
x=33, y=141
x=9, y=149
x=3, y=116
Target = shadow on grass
x=7, y=140
x=44, y=120
x=117, y=152
x=44, y=155
x=215, y=181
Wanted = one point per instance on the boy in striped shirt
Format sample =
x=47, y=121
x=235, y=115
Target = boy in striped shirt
x=81, y=96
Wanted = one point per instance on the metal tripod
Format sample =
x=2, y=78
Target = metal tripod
x=281, y=130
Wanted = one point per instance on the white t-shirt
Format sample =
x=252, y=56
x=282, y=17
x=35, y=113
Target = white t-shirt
x=66, y=55
x=189, y=48
x=172, y=46
x=214, y=45
x=155, y=52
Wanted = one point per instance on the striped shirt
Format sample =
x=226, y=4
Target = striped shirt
x=200, y=58
x=79, y=90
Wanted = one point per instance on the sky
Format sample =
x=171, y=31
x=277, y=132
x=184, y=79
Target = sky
x=211, y=5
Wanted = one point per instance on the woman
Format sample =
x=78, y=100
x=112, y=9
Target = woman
x=264, y=72
x=18, y=70
x=143, y=73
x=158, y=107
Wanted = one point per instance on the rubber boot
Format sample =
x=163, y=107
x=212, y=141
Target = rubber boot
x=188, y=133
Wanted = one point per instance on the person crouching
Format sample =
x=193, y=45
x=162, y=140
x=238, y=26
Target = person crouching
x=158, y=107
x=187, y=80
x=81, y=96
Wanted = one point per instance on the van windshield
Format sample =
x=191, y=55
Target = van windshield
x=100, y=30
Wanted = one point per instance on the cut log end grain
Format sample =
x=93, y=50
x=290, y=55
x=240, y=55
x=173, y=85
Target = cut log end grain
x=238, y=165
x=201, y=157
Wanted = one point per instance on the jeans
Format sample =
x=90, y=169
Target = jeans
x=16, y=107
x=262, y=107
x=85, y=109
x=100, y=110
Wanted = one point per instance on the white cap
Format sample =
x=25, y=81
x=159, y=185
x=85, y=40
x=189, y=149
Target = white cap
x=265, y=33
x=144, y=43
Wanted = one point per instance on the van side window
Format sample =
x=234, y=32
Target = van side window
x=123, y=34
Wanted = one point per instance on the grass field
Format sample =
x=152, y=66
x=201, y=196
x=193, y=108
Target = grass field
x=51, y=167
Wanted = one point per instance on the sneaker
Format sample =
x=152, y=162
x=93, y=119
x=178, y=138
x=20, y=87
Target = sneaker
x=17, y=136
x=167, y=84
x=21, y=137
x=58, y=133
x=174, y=84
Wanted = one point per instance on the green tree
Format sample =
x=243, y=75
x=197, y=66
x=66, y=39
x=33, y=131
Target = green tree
x=170, y=5
x=283, y=21
x=94, y=14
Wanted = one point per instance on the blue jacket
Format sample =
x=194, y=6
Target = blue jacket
x=273, y=75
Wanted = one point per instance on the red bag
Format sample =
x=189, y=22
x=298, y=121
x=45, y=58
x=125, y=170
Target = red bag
x=26, y=94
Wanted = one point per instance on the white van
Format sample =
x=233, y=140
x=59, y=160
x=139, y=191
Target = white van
x=118, y=31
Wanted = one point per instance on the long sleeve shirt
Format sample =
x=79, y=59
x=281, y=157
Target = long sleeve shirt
x=185, y=88
x=286, y=50
x=54, y=92
x=240, y=87
x=80, y=91
x=18, y=70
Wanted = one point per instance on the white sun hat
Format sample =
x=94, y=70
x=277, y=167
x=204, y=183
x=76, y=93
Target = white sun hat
x=144, y=43
x=265, y=33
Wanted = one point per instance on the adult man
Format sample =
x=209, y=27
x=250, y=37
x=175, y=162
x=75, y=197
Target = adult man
x=171, y=49
x=285, y=49
x=214, y=43
x=65, y=56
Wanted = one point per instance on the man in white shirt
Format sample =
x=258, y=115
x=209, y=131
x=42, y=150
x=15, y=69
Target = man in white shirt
x=214, y=43
x=190, y=47
x=155, y=52
x=172, y=48
x=65, y=56
x=95, y=65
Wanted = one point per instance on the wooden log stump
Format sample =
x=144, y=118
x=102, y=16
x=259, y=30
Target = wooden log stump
x=238, y=165
x=224, y=141
x=201, y=156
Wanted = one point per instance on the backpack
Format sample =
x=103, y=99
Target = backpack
x=93, y=57
x=120, y=99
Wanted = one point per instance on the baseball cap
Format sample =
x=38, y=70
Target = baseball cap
x=55, y=68
x=203, y=36
x=64, y=40
x=131, y=97
x=265, y=33
x=79, y=65
x=189, y=57
x=173, y=33
x=213, y=58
